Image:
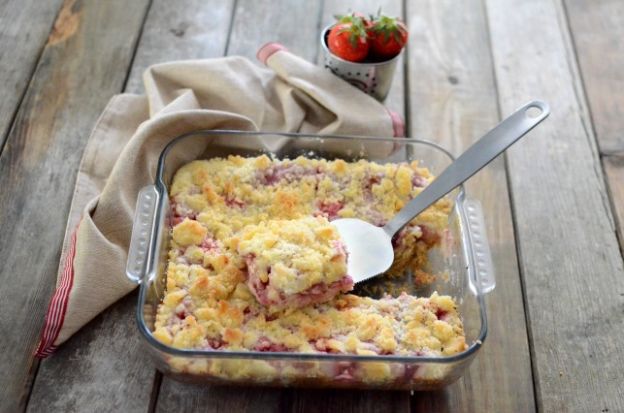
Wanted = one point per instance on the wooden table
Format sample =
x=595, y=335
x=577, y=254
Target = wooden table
x=554, y=205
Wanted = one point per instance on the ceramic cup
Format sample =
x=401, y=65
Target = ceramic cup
x=374, y=78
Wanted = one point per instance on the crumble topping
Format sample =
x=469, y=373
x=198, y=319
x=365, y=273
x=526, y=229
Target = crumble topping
x=295, y=254
x=233, y=219
x=350, y=324
x=294, y=262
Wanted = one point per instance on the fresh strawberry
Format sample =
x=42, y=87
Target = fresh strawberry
x=348, y=40
x=387, y=36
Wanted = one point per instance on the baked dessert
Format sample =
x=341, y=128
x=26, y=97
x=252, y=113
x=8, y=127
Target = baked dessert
x=349, y=324
x=225, y=195
x=294, y=263
x=223, y=211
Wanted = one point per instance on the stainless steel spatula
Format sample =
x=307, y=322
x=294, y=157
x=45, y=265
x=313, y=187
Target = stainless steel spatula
x=370, y=247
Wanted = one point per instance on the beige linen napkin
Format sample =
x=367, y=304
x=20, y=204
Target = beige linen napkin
x=291, y=95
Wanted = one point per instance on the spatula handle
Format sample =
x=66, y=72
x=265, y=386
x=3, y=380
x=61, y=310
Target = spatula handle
x=470, y=162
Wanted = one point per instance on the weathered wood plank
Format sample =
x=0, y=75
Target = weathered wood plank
x=345, y=401
x=107, y=353
x=453, y=102
x=597, y=29
x=24, y=27
x=85, y=375
x=295, y=24
x=196, y=29
x=184, y=397
x=37, y=168
x=438, y=401
x=569, y=257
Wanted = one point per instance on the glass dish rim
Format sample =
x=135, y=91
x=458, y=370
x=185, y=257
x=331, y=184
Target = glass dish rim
x=262, y=355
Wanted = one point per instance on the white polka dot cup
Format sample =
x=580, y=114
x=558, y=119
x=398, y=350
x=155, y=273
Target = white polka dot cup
x=373, y=78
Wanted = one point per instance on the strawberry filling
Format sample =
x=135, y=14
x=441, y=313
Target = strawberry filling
x=419, y=182
x=215, y=343
x=234, y=203
x=440, y=314
x=329, y=210
x=265, y=293
x=178, y=212
x=289, y=173
x=209, y=245
x=429, y=236
x=265, y=344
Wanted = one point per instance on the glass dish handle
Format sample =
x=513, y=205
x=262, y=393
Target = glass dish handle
x=480, y=248
x=142, y=234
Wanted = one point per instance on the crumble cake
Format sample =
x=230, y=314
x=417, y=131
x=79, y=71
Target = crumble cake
x=218, y=282
x=294, y=263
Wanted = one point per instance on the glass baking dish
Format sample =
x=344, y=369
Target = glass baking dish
x=462, y=264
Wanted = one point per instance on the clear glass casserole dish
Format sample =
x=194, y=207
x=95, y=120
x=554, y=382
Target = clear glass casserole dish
x=462, y=264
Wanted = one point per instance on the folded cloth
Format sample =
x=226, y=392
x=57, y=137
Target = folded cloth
x=291, y=95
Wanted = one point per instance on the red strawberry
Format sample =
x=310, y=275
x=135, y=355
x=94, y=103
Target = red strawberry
x=348, y=40
x=387, y=36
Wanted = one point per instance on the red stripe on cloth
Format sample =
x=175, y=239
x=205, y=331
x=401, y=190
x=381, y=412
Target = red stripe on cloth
x=58, y=304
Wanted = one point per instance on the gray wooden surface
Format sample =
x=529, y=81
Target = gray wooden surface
x=71, y=84
x=600, y=54
x=24, y=28
x=553, y=205
x=452, y=100
x=569, y=256
x=83, y=357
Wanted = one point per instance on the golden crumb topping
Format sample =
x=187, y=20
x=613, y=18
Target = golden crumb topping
x=238, y=220
x=189, y=232
x=225, y=195
x=405, y=325
x=294, y=254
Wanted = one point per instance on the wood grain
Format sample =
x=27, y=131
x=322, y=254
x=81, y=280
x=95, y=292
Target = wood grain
x=453, y=102
x=24, y=28
x=259, y=22
x=108, y=352
x=348, y=401
x=597, y=29
x=184, y=397
x=76, y=75
x=98, y=370
x=571, y=265
x=191, y=29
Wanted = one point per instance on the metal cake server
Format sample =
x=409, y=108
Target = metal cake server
x=370, y=247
